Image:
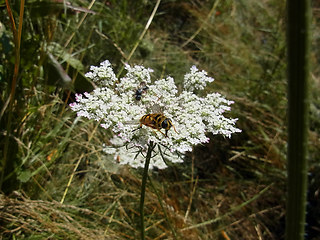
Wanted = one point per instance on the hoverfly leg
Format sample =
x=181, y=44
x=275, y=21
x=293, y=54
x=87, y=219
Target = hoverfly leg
x=163, y=133
x=174, y=129
x=166, y=135
x=137, y=128
x=158, y=131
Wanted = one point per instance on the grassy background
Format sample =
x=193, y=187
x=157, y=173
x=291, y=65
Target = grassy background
x=227, y=189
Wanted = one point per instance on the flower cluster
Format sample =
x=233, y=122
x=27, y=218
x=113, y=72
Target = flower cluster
x=114, y=104
x=196, y=80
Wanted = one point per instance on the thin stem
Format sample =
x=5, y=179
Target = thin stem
x=192, y=190
x=231, y=211
x=145, y=29
x=77, y=165
x=13, y=24
x=143, y=187
x=213, y=9
x=163, y=209
x=79, y=24
x=142, y=34
x=17, y=42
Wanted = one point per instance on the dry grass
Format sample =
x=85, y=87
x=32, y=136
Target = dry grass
x=114, y=215
x=23, y=218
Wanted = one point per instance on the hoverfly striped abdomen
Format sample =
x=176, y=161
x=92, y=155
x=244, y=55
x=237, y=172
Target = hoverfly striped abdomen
x=157, y=121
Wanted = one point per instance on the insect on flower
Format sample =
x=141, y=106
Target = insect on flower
x=157, y=121
x=117, y=102
x=141, y=91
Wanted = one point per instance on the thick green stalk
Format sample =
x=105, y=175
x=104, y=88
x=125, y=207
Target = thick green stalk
x=143, y=188
x=298, y=33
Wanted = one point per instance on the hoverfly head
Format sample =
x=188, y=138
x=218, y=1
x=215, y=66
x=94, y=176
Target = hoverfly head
x=166, y=124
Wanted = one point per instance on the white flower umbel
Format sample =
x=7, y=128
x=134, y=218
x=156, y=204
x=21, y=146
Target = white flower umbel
x=196, y=80
x=114, y=104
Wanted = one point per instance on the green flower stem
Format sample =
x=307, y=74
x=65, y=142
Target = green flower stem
x=143, y=187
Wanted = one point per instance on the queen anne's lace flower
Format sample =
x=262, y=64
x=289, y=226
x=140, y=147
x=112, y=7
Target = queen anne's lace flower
x=102, y=75
x=196, y=80
x=114, y=104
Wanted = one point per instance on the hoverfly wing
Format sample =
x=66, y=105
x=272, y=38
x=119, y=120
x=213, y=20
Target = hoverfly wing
x=156, y=108
x=132, y=122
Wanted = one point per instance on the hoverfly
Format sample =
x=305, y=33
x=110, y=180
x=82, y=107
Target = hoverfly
x=157, y=121
x=141, y=91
